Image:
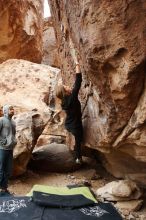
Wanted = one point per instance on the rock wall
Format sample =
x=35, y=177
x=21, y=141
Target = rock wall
x=110, y=39
x=50, y=50
x=21, y=30
x=27, y=85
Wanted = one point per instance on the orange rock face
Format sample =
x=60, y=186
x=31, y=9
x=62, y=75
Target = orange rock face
x=110, y=39
x=50, y=50
x=21, y=30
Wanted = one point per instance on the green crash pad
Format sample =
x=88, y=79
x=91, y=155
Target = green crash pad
x=85, y=191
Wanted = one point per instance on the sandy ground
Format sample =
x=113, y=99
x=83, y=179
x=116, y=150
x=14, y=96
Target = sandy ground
x=87, y=174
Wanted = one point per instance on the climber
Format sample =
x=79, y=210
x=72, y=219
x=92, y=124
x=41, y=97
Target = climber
x=71, y=104
x=7, y=143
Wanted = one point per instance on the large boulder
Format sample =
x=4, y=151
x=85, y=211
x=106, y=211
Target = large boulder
x=53, y=158
x=29, y=87
x=110, y=40
x=21, y=25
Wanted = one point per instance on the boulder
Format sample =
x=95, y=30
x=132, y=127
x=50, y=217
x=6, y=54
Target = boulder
x=119, y=191
x=21, y=30
x=53, y=158
x=112, y=58
x=29, y=126
x=29, y=87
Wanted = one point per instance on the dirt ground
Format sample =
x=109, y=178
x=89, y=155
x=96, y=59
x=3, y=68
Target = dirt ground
x=91, y=175
x=87, y=174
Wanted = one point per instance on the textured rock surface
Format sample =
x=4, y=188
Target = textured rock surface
x=50, y=51
x=29, y=87
x=21, y=30
x=119, y=191
x=131, y=206
x=29, y=126
x=110, y=39
x=54, y=132
x=53, y=157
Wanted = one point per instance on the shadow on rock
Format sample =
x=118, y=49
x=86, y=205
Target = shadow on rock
x=53, y=158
